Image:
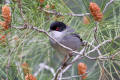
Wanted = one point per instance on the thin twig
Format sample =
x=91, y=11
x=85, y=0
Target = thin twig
x=74, y=60
x=68, y=78
x=9, y=51
x=95, y=31
x=103, y=43
x=63, y=14
x=62, y=68
x=46, y=33
x=106, y=41
x=115, y=54
x=78, y=53
x=8, y=64
x=96, y=49
x=43, y=66
x=7, y=1
x=40, y=30
x=107, y=4
x=20, y=7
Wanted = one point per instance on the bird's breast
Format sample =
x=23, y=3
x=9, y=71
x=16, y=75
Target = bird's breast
x=58, y=36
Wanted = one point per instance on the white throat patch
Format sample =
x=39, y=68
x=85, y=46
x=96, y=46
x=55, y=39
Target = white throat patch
x=57, y=35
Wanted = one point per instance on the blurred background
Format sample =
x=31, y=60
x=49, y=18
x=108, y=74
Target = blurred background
x=33, y=48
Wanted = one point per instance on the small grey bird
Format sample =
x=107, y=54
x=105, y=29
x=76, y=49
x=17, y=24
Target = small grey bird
x=66, y=36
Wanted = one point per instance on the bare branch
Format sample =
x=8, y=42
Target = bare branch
x=63, y=14
x=43, y=66
x=73, y=61
x=106, y=41
x=80, y=54
x=9, y=51
x=63, y=69
x=107, y=5
x=103, y=43
x=115, y=54
x=20, y=7
x=43, y=31
x=7, y=1
x=96, y=49
x=68, y=78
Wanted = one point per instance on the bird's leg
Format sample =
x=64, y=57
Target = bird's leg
x=70, y=54
x=67, y=58
x=64, y=64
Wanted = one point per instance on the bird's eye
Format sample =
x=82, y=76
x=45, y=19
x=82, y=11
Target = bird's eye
x=57, y=28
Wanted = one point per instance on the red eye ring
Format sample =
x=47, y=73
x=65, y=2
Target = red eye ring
x=57, y=28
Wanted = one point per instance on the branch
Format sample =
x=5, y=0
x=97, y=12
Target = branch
x=106, y=41
x=107, y=5
x=80, y=54
x=46, y=33
x=63, y=69
x=61, y=14
x=44, y=66
x=73, y=61
x=96, y=49
x=40, y=30
x=20, y=7
x=7, y=2
x=9, y=51
x=115, y=54
x=103, y=43
x=68, y=78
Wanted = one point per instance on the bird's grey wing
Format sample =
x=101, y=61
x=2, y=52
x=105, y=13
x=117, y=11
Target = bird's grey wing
x=78, y=36
x=72, y=41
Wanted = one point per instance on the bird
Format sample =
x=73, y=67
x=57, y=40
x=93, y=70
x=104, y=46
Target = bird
x=66, y=36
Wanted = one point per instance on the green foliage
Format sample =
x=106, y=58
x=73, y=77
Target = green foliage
x=34, y=48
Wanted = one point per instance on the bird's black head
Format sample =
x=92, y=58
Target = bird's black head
x=57, y=26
